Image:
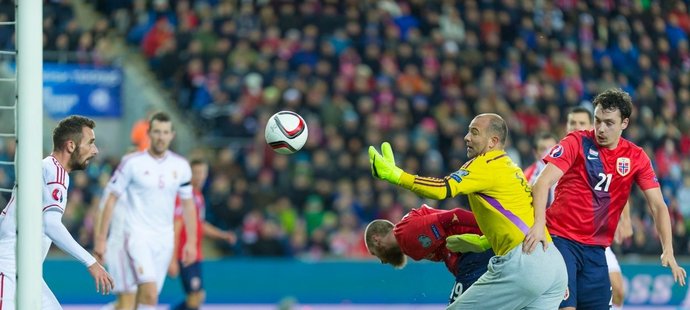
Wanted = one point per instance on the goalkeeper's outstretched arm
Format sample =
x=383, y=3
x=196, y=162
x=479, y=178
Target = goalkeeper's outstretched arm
x=383, y=167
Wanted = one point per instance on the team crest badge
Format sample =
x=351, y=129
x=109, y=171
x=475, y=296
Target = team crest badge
x=424, y=240
x=556, y=151
x=623, y=166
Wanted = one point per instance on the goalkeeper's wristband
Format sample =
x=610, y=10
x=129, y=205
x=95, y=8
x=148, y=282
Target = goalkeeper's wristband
x=406, y=180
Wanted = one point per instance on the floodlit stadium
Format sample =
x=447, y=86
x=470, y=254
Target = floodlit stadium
x=182, y=91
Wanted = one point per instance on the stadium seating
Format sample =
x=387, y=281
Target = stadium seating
x=413, y=73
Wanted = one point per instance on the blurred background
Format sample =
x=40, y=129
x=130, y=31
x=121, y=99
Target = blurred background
x=360, y=72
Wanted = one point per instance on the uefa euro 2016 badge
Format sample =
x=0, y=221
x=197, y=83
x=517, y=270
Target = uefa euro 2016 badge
x=57, y=195
x=424, y=240
x=623, y=166
x=556, y=151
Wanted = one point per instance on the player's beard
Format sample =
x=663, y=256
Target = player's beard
x=395, y=257
x=158, y=148
x=75, y=161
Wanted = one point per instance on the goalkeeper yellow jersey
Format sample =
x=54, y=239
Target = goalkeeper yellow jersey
x=499, y=195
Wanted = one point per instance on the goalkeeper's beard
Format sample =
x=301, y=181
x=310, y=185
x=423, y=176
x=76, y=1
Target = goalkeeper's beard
x=394, y=256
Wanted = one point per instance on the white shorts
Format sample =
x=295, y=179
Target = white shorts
x=118, y=263
x=612, y=261
x=8, y=289
x=150, y=257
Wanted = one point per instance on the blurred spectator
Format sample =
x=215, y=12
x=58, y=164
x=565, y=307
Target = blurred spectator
x=140, y=131
x=406, y=72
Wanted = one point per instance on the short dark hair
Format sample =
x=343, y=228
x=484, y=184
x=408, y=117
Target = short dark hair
x=161, y=117
x=615, y=98
x=545, y=135
x=581, y=110
x=197, y=161
x=70, y=128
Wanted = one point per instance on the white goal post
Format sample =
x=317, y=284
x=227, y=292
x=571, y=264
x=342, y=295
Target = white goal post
x=29, y=72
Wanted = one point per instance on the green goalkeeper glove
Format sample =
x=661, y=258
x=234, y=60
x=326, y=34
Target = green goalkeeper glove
x=466, y=243
x=383, y=167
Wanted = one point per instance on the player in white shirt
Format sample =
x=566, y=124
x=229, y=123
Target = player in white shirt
x=151, y=180
x=116, y=258
x=73, y=147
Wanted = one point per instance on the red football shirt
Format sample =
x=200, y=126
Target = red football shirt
x=422, y=233
x=200, y=205
x=595, y=186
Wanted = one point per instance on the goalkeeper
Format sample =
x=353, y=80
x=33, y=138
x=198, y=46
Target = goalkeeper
x=436, y=235
x=501, y=201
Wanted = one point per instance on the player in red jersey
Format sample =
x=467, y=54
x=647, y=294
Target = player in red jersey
x=579, y=118
x=192, y=282
x=595, y=170
x=422, y=234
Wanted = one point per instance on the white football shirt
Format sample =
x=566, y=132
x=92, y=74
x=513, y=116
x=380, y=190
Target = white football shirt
x=151, y=185
x=55, y=184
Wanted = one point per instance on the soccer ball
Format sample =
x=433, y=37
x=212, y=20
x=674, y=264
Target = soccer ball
x=286, y=132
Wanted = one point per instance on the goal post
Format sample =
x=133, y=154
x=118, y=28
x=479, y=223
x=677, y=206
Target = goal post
x=29, y=124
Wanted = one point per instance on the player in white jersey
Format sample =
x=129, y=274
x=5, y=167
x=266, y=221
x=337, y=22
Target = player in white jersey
x=151, y=180
x=73, y=147
x=116, y=258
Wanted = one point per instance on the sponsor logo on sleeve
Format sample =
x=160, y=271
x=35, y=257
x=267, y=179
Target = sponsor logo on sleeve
x=458, y=175
x=556, y=151
x=434, y=230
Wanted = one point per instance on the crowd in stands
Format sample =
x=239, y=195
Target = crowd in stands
x=410, y=72
x=65, y=39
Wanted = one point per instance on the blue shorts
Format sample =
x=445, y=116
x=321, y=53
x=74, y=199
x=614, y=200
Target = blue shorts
x=191, y=277
x=471, y=266
x=589, y=286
